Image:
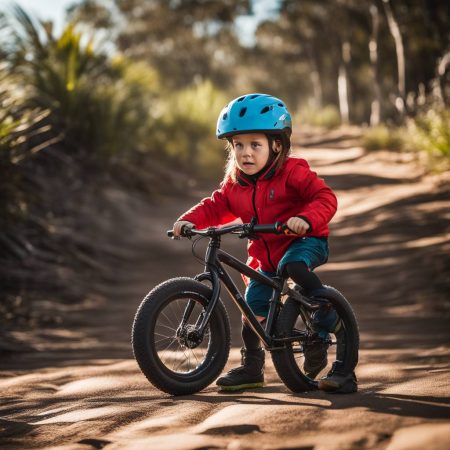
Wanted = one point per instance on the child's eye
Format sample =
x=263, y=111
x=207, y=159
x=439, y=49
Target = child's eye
x=238, y=145
x=256, y=144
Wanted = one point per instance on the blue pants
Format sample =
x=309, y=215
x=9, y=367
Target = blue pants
x=312, y=251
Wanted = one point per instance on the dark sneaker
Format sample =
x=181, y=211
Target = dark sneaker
x=339, y=380
x=249, y=375
x=316, y=359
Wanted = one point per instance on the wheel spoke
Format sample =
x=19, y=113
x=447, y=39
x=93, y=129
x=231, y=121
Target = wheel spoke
x=168, y=344
x=165, y=326
x=195, y=356
x=180, y=311
x=163, y=339
x=189, y=359
x=163, y=335
x=180, y=358
x=168, y=320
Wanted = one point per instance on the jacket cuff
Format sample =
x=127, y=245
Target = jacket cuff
x=307, y=221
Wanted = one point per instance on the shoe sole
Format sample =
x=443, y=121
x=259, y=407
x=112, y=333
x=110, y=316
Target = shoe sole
x=239, y=387
x=348, y=388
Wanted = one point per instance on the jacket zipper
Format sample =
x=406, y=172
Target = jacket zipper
x=257, y=218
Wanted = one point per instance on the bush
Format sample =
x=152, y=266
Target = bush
x=327, y=117
x=382, y=138
x=96, y=104
x=186, y=129
x=427, y=134
x=104, y=108
x=430, y=132
x=23, y=134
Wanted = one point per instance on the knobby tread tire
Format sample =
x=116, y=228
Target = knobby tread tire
x=146, y=355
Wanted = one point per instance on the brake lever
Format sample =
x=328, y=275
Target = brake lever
x=249, y=236
x=186, y=231
x=284, y=229
x=247, y=233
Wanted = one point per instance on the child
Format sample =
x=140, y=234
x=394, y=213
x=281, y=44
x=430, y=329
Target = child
x=262, y=181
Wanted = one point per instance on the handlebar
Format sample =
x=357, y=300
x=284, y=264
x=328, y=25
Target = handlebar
x=244, y=230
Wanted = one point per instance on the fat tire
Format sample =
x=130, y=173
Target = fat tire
x=283, y=359
x=144, y=349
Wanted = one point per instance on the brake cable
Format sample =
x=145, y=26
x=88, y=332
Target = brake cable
x=194, y=244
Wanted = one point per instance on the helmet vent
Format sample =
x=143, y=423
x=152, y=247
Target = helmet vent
x=281, y=104
x=254, y=96
x=242, y=112
x=224, y=117
x=240, y=100
x=266, y=109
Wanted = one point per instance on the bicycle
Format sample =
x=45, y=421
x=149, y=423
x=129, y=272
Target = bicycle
x=181, y=331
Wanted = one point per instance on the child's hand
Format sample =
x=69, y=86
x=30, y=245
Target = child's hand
x=298, y=225
x=177, y=226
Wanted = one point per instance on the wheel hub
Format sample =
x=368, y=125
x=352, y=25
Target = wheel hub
x=189, y=337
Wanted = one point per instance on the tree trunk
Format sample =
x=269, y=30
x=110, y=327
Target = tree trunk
x=343, y=82
x=375, y=110
x=442, y=73
x=315, y=78
x=400, y=52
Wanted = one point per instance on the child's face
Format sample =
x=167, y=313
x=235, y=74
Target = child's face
x=251, y=151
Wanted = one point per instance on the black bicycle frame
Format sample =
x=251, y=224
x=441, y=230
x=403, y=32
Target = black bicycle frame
x=215, y=272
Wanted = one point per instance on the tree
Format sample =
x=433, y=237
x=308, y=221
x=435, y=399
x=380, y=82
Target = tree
x=320, y=37
x=186, y=40
x=96, y=14
x=375, y=107
x=369, y=58
x=400, y=53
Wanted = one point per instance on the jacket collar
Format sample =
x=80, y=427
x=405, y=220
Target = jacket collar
x=246, y=180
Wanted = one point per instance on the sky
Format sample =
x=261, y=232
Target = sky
x=55, y=11
x=44, y=9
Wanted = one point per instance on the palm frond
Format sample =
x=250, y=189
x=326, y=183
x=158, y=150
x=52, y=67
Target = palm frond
x=28, y=35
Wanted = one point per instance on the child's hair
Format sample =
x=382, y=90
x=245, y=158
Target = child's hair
x=231, y=166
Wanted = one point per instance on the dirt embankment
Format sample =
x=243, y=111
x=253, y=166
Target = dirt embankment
x=81, y=389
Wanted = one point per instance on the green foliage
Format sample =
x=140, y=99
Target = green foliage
x=95, y=104
x=140, y=88
x=430, y=131
x=23, y=134
x=327, y=117
x=428, y=134
x=99, y=107
x=299, y=52
x=186, y=129
x=187, y=40
x=382, y=137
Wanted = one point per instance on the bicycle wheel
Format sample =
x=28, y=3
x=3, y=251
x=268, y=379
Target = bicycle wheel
x=170, y=354
x=289, y=361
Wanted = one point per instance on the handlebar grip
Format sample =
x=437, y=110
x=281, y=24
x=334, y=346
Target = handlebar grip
x=270, y=228
x=185, y=232
x=276, y=228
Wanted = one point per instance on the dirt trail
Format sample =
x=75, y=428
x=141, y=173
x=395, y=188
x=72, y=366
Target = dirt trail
x=389, y=255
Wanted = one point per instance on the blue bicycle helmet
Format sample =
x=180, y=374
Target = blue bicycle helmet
x=254, y=113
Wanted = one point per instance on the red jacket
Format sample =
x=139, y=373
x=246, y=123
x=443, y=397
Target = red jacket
x=293, y=190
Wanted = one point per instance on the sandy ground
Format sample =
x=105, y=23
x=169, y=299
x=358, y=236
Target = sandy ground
x=82, y=389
